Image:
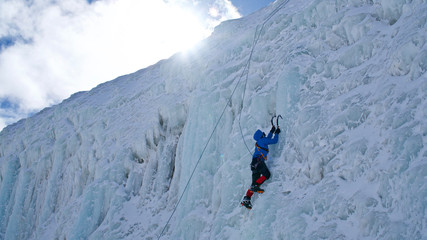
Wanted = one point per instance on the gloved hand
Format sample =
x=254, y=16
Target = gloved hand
x=277, y=130
x=273, y=129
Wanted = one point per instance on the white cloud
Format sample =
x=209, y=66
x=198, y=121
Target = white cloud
x=67, y=46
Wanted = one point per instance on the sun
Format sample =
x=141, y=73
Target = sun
x=140, y=33
x=185, y=28
x=162, y=28
x=213, y=12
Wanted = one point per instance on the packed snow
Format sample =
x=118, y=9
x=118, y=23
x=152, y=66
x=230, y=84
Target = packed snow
x=349, y=78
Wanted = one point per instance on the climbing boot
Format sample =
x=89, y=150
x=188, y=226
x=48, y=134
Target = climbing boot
x=256, y=188
x=246, y=202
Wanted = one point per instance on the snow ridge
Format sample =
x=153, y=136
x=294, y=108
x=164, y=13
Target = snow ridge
x=349, y=78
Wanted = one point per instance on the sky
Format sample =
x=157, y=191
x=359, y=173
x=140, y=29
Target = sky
x=51, y=49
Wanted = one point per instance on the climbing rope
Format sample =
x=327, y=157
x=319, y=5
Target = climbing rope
x=257, y=35
x=246, y=69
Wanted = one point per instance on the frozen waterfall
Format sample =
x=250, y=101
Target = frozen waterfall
x=349, y=78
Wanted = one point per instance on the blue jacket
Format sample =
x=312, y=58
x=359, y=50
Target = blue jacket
x=261, y=146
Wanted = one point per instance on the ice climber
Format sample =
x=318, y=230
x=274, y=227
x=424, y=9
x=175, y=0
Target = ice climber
x=259, y=169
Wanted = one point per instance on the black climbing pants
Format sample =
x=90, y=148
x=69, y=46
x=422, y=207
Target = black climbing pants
x=259, y=168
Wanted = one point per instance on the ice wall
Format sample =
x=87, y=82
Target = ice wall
x=349, y=78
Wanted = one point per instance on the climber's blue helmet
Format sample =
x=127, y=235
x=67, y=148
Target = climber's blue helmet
x=258, y=135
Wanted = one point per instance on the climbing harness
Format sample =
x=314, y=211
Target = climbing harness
x=245, y=70
x=258, y=147
x=272, y=124
x=257, y=161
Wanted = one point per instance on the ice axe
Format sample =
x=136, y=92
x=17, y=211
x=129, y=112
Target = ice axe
x=277, y=120
x=272, y=119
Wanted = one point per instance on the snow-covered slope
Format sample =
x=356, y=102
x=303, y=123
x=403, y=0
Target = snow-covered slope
x=348, y=76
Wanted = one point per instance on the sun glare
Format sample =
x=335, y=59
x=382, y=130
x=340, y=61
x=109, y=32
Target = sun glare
x=185, y=29
x=213, y=12
x=156, y=28
x=85, y=44
x=139, y=33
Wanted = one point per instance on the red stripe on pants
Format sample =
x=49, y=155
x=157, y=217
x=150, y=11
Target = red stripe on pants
x=261, y=180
